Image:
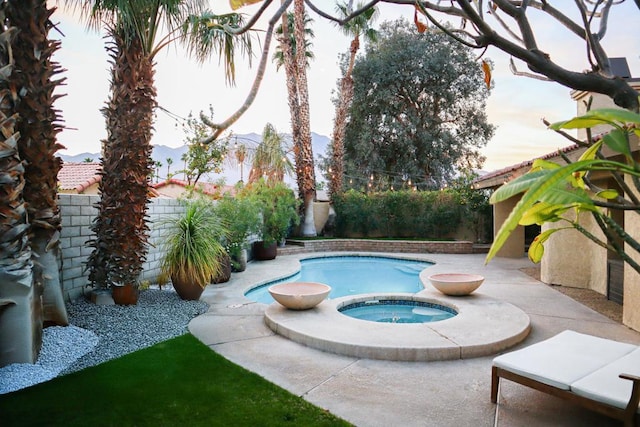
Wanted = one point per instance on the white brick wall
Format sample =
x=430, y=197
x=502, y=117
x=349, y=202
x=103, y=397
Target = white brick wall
x=77, y=215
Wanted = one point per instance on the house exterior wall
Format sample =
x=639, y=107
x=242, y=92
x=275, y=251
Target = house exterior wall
x=597, y=101
x=173, y=191
x=78, y=212
x=514, y=246
x=570, y=259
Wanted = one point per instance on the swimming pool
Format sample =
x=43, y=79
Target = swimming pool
x=353, y=275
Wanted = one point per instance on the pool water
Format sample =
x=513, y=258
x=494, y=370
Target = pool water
x=353, y=275
x=398, y=311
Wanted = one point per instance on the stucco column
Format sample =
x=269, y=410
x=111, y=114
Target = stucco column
x=631, y=306
x=514, y=246
x=571, y=259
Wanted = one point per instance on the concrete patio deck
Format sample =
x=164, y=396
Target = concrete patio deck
x=369, y=392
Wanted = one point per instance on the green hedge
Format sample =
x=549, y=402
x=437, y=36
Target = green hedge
x=404, y=214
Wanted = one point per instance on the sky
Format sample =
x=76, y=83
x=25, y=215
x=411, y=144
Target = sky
x=515, y=106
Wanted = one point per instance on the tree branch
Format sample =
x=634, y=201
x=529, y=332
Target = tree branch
x=221, y=127
x=346, y=19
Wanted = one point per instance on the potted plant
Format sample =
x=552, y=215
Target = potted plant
x=242, y=215
x=279, y=209
x=193, y=249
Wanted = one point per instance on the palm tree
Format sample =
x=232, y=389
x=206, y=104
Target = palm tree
x=303, y=150
x=158, y=165
x=184, y=157
x=169, y=163
x=270, y=158
x=278, y=56
x=20, y=311
x=295, y=62
x=121, y=232
x=356, y=27
x=38, y=125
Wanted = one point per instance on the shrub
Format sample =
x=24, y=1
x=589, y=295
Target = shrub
x=419, y=214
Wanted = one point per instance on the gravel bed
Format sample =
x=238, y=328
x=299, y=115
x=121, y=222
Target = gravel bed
x=103, y=332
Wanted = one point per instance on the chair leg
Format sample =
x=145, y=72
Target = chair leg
x=495, y=379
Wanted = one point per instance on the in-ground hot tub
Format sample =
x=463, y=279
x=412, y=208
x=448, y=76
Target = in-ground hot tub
x=483, y=326
x=398, y=311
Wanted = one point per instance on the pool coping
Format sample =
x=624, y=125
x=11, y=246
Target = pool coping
x=483, y=326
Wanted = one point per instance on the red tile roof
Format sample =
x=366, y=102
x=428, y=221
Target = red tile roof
x=78, y=176
x=507, y=172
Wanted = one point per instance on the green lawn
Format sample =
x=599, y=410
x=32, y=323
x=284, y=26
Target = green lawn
x=176, y=382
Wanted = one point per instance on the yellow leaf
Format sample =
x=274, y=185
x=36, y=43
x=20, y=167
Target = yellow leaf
x=419, y=25
x=608, y=194
x=237, y=4
x=487, y=73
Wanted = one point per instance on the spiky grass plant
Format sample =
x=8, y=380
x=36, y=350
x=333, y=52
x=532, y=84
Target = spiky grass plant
x=193, y=244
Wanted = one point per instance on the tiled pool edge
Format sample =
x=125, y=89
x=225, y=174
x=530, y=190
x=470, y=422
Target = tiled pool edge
x=375, y=245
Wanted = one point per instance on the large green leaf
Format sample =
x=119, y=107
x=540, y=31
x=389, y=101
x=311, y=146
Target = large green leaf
x=563, y=195
x=591, y=152
x=539, y=189
x=618, y=142
x=237, y=4
x=542, y=212
x=542, y=164
x=608, y=194
x=596, y=117
x=517, y=186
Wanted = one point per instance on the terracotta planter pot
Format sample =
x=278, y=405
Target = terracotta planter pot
x=264, y=253
x=125, y=294
x=226, y=271
x=187, y=290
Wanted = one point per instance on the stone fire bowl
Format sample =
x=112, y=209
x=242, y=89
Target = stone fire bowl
x=456, y=284
x=300, y=295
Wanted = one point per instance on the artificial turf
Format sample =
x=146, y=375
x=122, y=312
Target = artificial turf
x=176, y=382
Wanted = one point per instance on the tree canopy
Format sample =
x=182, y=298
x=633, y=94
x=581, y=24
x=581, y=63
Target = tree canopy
x=418, y=112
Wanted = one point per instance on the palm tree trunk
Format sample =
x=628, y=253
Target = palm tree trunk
x=38, y=126
x=292, y=90
x=340, y=122
x=20, y=304
x=304, y=153
x=121, y=230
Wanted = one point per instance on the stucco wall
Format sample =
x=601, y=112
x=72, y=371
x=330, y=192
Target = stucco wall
x=570, y=259
x=631, y=307
x=514, y=246
x=77, y=215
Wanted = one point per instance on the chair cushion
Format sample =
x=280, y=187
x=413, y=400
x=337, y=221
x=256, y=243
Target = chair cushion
x=563, y=359
x=604, y=385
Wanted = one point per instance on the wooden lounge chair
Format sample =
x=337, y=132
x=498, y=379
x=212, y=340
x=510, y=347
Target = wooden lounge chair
x=599, y=374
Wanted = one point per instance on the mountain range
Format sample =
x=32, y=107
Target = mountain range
x=231, y=175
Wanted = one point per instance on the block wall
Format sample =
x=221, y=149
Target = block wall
x=78, y=212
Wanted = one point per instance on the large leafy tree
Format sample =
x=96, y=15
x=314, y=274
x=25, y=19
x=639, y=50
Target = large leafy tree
x=201, y=159
x=134, y=26
x=418, y=110
x=359, y=26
